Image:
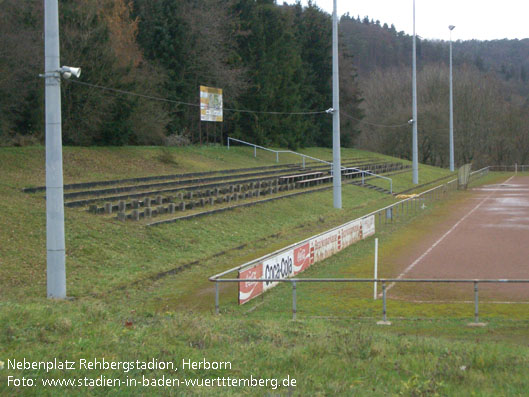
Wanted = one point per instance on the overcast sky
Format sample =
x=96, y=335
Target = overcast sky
x=474, y=19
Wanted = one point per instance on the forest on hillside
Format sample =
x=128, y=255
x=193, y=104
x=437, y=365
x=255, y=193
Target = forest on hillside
x=268, y=59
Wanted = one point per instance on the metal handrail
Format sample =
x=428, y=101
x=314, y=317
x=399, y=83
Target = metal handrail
x=380, y=210
x=383, y=281
x=312, y=158
x=372, y=280
x=262, y=258
x=432, y=192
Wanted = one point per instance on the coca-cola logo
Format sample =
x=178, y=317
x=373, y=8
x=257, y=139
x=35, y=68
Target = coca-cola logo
x=250, y=284
x=301, y=255
x=279, y=269
x=250, y=289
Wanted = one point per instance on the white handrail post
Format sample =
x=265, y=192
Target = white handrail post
x=376, y=270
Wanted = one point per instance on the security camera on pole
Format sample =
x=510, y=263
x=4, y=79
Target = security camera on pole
x=56, y=264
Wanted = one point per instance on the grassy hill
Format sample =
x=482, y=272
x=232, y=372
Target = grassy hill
x=141, y=293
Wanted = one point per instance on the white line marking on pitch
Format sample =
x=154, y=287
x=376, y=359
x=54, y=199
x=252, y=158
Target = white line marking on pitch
x=456, y=301
x=420, y=258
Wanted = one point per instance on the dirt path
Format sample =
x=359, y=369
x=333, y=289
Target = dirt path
x=485, y=236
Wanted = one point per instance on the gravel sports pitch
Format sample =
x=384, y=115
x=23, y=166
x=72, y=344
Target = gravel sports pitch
x=485, y=236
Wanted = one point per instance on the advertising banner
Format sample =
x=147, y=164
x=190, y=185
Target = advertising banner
x=368, y=226
x=299, y=257
x=352, y=233
x=326, y=244
x=280, y=266
x=249, y=290
x=210, y=104
x=302, y=258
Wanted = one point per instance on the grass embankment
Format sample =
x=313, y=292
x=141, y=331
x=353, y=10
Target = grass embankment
x=123, y=311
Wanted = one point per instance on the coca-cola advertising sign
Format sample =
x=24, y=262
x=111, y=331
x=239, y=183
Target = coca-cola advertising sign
x=300, y=257
x=278, y=267
x=251, y=289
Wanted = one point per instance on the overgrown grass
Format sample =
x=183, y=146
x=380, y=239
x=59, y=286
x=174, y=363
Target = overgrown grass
x=123, y=312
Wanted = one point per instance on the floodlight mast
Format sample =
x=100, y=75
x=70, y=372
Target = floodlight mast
x=415, y=154
x=55, y=245
x=452, y=165
x=337, y=168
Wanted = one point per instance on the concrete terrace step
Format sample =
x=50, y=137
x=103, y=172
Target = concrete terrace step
x=134, y=188
x=186, y=189
x=88, y=185
x=185, y=200
x=138, y=191
x=284, y=196
x=144, y=198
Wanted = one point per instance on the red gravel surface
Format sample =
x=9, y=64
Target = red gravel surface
x=485, y=236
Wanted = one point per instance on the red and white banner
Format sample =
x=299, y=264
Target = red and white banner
x=352, y=233
x=301, y=256
x=368, y=226
x=249, y=290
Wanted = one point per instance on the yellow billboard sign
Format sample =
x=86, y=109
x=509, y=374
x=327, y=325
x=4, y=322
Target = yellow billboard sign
x=210, y=104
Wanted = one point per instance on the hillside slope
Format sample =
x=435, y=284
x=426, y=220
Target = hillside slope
x=141, y=293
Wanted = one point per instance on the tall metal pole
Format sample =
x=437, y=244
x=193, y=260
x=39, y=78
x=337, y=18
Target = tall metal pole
x=415, y=155
x=56, y=264
x=451, y=27
x=337, y=174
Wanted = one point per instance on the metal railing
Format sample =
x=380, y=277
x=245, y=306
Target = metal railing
x=304, y=156
x=390, y=213
x=510, y=168
x=383, y=281
x=385, y=215
x=404, y=207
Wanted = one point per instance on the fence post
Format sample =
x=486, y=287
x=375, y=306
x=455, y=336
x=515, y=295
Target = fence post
x=255, y=151
x=277, y=157
x=384, y=311
x=384, y=316
x=476, y=303
x=362, y=178
x=216, y=297
x=294, y=309
x=303, y=162
x=376, y=270
x=476, y=322
x=228, y=143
